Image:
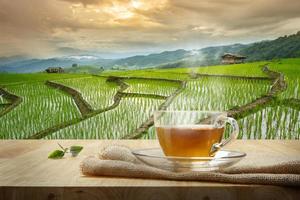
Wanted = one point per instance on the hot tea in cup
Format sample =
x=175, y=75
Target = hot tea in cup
x=192, y=133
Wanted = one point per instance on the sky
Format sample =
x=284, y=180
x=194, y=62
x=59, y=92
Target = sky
x=119, y=28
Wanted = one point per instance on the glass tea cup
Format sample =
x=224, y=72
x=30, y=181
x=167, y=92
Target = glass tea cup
x=193, y=133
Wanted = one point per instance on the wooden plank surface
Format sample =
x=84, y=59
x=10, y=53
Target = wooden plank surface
x=26, y=173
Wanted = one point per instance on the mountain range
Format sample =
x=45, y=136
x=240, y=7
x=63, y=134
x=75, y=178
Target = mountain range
x=282, y=47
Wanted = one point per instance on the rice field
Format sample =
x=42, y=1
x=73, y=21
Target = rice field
x=113, y=124
x=42, y=107
x=293, y=89
x=218, y=94
x=244, y=69
x=95, y=90
x=291, y=70
x=274, y=122
x=157, y=87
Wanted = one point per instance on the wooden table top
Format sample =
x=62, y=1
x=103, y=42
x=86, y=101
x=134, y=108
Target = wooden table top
x=24, y=164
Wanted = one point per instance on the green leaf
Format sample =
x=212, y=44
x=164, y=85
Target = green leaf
x=56, y=154
x=75, y=150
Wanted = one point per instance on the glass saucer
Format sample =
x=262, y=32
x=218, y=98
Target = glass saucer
x=156, y=158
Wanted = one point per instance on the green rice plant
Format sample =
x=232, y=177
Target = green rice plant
x=95, y=90
x=274, y=122
x=293, y=88
x=42, y=107
x=218, y=94
x=157, y=87
x=113, y=124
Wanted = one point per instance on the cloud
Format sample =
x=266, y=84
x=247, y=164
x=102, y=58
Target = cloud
x=123, y=26
x=85, y=2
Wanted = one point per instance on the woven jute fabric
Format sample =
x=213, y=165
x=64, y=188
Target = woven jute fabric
x=255, y=168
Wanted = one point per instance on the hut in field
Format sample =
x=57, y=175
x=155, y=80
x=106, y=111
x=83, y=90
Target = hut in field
x=229, y=58
x=54, y=70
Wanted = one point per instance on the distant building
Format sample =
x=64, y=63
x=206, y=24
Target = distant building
x=229, y=58
x=54, y=70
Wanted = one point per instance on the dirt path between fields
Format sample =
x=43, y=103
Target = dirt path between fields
x=84, y=107
x=13, y=99
x=278, y=85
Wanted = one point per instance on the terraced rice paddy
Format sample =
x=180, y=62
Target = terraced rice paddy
x=245, y=69
x=118, y=111
x=218, y=94
x=95, y=90
x=113, y=124
x=42, y=107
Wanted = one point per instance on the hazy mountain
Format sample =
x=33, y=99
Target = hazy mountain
x=282, y=47
x=152, y=59
x=37, y=65
x=6, y=60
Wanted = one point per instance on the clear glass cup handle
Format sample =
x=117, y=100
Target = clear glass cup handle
x=217, y=146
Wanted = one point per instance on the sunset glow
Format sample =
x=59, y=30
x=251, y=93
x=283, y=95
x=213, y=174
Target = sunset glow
x=138, y=26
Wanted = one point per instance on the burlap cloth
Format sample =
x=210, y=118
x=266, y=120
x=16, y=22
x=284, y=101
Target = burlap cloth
x=118, y=161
